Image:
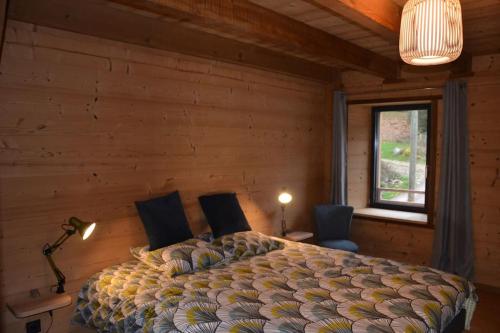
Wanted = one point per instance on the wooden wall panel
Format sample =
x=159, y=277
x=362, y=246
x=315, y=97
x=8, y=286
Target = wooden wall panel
x=485, y=167
x=359, y=154
x=89, y=125
x=414, y=244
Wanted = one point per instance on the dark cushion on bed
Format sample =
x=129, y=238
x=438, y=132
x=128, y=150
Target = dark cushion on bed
x=224, y=214
x=164, y=220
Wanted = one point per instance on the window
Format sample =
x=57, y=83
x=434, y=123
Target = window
x=401, y=141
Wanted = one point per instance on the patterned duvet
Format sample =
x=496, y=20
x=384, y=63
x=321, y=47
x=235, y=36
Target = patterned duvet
x=301, y=288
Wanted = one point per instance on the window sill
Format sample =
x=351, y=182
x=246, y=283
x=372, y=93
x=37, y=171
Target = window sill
x=395, y=216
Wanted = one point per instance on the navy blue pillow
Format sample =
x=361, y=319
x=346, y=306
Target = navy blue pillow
x=224, y=214
x=164, y=220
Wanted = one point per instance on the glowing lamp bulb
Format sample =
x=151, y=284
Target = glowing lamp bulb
x=285, y=198
x=88, y=231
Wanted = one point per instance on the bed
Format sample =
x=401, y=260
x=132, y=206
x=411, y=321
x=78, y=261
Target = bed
x=294, y=288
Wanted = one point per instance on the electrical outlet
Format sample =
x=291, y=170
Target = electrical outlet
x=33, y=326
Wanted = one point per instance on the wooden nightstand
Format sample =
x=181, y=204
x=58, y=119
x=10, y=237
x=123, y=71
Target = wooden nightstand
x=38, y=305
x=299, y=236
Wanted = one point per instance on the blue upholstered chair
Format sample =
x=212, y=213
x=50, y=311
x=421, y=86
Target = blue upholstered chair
x=333, y=227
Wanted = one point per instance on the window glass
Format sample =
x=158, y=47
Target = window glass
x=401, y=142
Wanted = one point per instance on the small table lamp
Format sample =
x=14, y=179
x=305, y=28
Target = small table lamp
x=284, y=198
x=74, y=224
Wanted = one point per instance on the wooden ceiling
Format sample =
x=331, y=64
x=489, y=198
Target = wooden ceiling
x=333, y=34
x=248, y=22
x=361, y=35
x=319, y=17
x=481, y=24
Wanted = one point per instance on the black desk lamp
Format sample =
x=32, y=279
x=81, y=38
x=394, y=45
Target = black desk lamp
x=74, y=224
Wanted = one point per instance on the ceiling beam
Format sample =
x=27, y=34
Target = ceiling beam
x=245, y=21
x=462, y=67
x=93, y=17
x=382, y=17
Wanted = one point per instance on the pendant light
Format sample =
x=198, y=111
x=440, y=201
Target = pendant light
x=431, y=32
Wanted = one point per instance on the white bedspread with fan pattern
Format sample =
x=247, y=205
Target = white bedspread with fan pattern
x=300, y=288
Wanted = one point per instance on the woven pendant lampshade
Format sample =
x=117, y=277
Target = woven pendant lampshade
x=431, y=32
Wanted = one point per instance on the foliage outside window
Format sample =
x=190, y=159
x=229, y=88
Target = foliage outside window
x=401, y=137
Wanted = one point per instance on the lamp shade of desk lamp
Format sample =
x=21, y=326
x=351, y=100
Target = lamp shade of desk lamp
x=85, y=229
x=74, y=225
x=284, y=198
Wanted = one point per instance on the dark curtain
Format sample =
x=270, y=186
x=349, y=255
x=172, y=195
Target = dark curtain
x=339, y=149
x=453, y=249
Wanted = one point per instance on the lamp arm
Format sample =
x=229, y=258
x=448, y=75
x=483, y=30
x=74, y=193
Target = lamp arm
x=61, y=279
x=48, y=250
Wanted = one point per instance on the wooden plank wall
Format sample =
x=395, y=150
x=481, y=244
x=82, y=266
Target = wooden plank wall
x=89, y=125
x=409, y=244
x=414, y=244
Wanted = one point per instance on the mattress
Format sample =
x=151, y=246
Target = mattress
x=300, y=288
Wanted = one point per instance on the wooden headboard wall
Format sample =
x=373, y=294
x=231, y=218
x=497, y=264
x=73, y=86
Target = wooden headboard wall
x=89, y=125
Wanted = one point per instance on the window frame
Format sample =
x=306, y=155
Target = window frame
x=429, y=188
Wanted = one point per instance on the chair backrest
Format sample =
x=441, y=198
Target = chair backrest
x=333, y=222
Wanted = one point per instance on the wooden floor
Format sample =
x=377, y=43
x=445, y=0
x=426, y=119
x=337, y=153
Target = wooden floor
x=487, y=316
